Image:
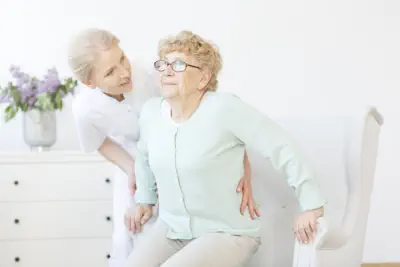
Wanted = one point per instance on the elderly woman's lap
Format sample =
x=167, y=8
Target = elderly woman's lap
x=154, y=249
x=215, y=250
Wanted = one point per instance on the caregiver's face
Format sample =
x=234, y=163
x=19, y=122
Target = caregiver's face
x=111, y=71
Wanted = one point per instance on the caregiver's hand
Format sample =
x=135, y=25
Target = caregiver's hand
x=136, y=216
x=245, y=186
x=132, y=182
x=248, y=201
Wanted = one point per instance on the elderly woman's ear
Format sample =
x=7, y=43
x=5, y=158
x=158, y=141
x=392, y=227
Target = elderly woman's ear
x=205, y=79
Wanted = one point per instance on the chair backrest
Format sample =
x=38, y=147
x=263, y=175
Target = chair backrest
x=335, y=145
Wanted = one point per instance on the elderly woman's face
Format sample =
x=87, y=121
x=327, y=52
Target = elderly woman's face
x=112, y=72
x=180, y=75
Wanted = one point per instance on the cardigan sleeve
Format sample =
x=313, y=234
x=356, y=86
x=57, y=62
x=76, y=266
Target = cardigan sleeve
x=145, y=180
x=257, y=131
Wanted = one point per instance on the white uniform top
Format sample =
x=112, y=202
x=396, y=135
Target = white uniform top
x=98, y=116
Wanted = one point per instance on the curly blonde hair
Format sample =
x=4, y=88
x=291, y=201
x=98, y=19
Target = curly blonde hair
x=190, y=44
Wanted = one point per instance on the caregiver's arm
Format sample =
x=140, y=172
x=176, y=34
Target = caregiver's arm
x=117, y=155
x=92, y=134
x=256, y=130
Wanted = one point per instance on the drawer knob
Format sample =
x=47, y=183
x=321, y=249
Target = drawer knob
x=16, y=183
x=16, y=221
x=16, y=259
x=108, y=180
x=108, y=256
x=108, y=218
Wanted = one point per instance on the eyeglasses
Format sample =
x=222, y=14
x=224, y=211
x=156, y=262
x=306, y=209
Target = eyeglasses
x=177, y=65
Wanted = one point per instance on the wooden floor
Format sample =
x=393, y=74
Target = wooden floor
x=381, y=265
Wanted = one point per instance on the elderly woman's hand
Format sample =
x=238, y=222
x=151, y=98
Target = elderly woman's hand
x=136, y=216
x=305, y=226
x=245, y=186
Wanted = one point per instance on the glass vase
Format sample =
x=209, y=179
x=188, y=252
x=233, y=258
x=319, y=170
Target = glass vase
x=40, y=129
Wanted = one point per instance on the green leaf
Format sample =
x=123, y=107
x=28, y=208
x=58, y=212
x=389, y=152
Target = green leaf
x=10, y=113
x=24, y=107
x=8, y=108
x=58, y=101
x=45, y=102
x=15, y=95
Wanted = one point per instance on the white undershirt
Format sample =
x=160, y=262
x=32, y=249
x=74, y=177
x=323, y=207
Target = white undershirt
x=166, y=111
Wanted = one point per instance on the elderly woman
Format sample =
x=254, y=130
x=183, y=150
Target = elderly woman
x=106, y=112
x=192, y=145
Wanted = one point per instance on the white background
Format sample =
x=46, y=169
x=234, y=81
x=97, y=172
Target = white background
x=279, y=56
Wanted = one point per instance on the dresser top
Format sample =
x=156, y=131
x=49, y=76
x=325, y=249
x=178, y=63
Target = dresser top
x=49, y=157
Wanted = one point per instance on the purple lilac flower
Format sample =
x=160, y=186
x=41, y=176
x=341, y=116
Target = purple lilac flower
x=27, y=90
x=51, y=82
x=52, y=72
x=23, y=82
x=22, y=79
x=19, y=76
x=31, y=101
x=14, y=70
x=30, y=88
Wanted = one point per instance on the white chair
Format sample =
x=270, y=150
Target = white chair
x=343, y=150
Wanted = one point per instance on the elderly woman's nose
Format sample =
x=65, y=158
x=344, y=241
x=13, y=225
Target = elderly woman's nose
x=169, y=71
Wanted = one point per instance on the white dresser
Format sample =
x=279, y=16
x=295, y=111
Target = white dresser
x=55, y=209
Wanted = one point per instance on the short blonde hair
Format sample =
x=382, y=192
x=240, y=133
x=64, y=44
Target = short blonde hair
x=206, y=53
x=83, y=49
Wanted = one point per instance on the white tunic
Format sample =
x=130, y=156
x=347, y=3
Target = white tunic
x=98, y=116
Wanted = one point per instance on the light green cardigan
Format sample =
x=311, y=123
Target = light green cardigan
x=197, y=165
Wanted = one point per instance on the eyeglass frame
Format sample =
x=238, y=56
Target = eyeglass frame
x=171, y=63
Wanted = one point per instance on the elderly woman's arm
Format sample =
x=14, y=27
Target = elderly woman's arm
x=146, y=192
x=257, y=131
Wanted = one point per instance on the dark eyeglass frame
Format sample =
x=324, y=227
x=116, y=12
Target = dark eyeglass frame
x=172, y=64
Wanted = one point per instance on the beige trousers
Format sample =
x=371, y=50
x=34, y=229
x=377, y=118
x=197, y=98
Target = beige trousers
x=153, y=249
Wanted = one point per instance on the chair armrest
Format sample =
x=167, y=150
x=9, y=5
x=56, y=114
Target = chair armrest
x=305, y=255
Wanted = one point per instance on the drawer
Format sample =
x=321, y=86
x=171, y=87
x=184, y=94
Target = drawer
x=56, y=181
x=46, y=220
x=55, y=253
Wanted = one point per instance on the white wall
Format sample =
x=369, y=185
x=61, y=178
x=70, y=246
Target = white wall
x=290, y=52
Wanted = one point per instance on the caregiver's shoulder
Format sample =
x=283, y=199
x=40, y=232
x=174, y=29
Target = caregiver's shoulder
x=84, y=102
